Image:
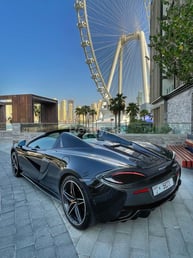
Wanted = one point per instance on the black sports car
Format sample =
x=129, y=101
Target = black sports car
x=106, y=178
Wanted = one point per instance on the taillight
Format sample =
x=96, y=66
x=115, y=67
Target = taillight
x=124, y=177
x=141, y=191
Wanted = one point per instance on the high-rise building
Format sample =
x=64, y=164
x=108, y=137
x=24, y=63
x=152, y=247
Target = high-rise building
x=70, y=111
x=139, y=98
x=62, y=109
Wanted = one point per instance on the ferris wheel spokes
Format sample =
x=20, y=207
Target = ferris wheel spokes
x=86, y=43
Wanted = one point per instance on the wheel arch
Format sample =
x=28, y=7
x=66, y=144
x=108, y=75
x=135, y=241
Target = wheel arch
x=66, y=173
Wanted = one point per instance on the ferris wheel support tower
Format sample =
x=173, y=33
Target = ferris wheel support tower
x=119, y=57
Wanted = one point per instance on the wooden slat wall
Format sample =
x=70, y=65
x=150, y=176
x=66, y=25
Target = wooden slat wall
x=22, y=108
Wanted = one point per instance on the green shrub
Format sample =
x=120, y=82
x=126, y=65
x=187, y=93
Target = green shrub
x=139, y=127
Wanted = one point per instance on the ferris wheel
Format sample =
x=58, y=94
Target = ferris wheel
x=114, y=37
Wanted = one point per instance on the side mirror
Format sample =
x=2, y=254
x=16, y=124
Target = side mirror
x=21, y=143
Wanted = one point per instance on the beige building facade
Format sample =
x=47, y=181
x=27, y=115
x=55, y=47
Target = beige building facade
x=62, y=111
x=66, y=111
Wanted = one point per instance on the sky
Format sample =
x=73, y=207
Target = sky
x=40, y=51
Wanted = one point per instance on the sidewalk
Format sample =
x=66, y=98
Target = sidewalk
x=168, y=232
x=33, y=226
x=30, y=225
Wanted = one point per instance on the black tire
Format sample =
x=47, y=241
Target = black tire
x=75, y=202
x=15, y=164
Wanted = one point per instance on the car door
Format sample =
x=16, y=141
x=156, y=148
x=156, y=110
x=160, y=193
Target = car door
x=34, y=160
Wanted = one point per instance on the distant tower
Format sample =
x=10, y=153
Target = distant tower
x=70, y=111
x=139, y=98
x=95, y=106
x=63, y=111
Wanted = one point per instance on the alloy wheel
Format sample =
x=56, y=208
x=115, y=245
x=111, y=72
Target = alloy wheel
x=15, y=164
x=74, y=202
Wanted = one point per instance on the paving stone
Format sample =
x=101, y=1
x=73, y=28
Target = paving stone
x=158, y=247
x=83, y=256
x=24, y=241
x=87, y=241
x=168, y=215
x=156, y=227
x=57, y=230
x=47, y=252
x=66, y=251
x=124, y=227
x=120, y=250
x=38, y=223
x=23, y=231
x=8, y=252
x=122, y=238
x=176, y=242
x=21, y=212
x=178, y=256
x=185, y=222
x=190, y=249
x=101, y=250
x=139, y=236
x=139, y=253
x=53, y=220
x=7, y=241
x=107, y=233
x=26, y=252
x=7, y=218
x=62, y=239
x=22, y=222
x=7, y=230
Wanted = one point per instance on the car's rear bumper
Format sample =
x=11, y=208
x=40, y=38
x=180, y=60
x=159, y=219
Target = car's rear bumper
x=112, y=204
x=130, y=212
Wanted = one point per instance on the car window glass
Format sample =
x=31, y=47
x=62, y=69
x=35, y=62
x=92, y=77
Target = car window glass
x=69, y=140
x=46, y=142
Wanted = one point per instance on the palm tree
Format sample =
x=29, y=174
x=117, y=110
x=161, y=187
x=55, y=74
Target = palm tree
x=143, y=113
x=92, y=113
x=121, y=107
x=78, y=113
x=133, y=110
x=85, y=111
x=113, y=109
x=116, y=106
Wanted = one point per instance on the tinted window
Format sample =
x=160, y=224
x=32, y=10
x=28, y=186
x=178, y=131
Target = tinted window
x=70, y=141
x=46, y=142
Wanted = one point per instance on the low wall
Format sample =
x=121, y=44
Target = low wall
x=15, y=136
x=160, y=139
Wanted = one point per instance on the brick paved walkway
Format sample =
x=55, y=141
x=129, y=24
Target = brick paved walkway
x=30, y=225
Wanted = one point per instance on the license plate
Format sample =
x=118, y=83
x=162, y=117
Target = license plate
x=157, y=189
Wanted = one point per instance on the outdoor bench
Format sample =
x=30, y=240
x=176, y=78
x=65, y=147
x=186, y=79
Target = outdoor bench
x=183, y=155
x=189, y=142
x=184, y=152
